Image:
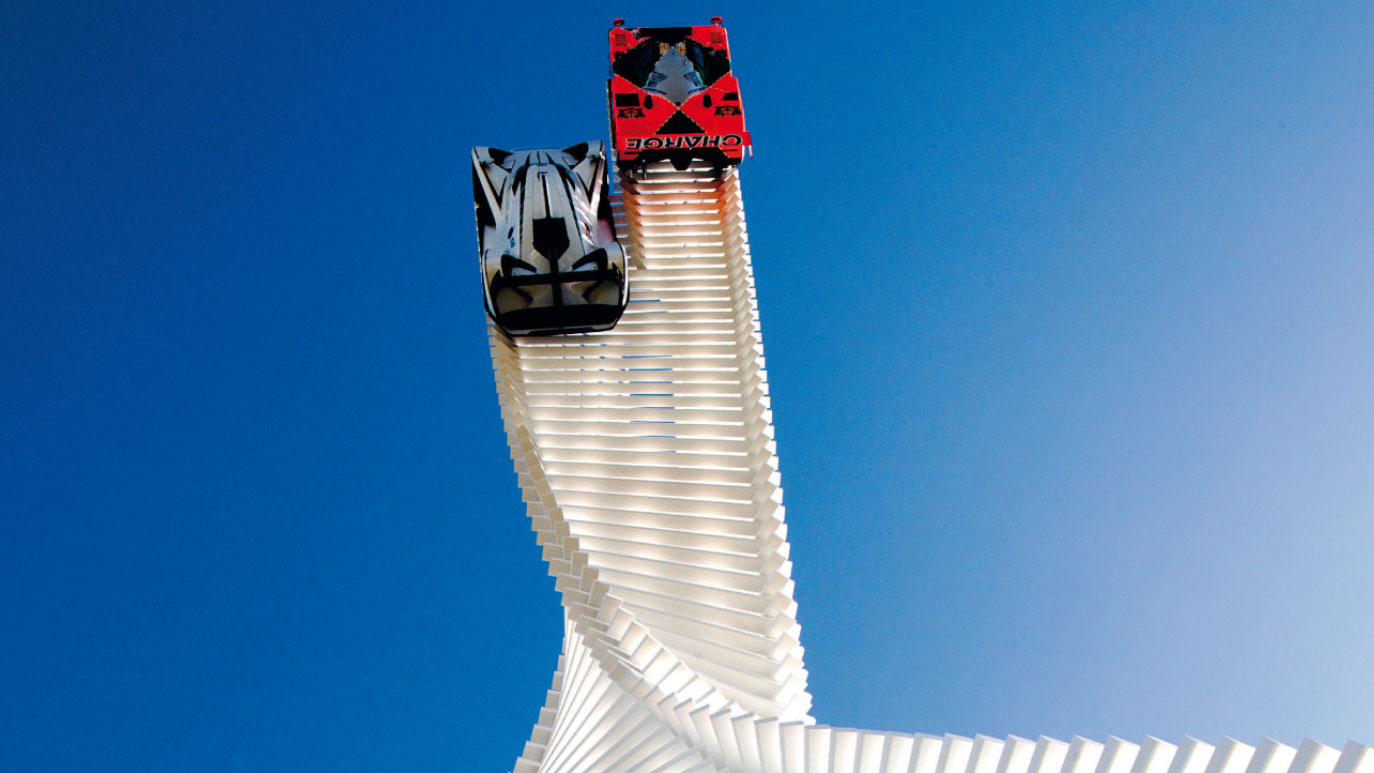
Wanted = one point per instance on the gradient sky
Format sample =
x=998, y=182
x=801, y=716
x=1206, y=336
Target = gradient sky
x=1069, y=316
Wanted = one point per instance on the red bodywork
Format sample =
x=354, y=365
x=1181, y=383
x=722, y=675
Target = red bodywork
x=673, y=95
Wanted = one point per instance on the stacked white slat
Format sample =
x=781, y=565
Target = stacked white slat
x=798, y=748
x=646, y=459
x=648, y=466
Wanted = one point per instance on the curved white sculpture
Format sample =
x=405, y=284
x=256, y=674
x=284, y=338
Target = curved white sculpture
x=646, y=458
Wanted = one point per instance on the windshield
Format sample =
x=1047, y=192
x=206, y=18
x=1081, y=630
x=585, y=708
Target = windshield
x=670, y=64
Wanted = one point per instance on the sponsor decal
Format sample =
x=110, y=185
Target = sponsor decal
x=683, y=141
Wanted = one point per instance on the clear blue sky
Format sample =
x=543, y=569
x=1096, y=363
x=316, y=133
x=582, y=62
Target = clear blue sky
x=1068, y=319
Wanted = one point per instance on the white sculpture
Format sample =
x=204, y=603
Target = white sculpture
x=647, y=462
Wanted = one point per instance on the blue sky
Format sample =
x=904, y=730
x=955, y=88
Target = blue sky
x=1068, y=323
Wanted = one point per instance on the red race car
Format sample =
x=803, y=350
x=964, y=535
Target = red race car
x=673, y=96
